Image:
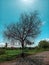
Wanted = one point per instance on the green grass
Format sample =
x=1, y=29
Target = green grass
x=9, y=55
x=12, y=54
x=34, y=51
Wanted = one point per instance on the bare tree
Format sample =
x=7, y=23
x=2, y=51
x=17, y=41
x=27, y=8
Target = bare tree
x=27, y=27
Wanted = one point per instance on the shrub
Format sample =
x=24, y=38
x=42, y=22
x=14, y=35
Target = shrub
x=2, y=51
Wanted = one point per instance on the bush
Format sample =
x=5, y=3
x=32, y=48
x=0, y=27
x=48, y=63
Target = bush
x=2, y=51
x=43, y=44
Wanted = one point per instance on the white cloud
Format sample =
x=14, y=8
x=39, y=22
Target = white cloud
x=2, y=44
x=43, y=23
x=47, y=39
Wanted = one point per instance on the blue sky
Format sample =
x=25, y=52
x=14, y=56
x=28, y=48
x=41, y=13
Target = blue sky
x=10, y=11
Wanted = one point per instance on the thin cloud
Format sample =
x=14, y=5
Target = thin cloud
x=43, y=23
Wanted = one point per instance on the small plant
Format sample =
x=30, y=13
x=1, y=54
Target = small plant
x=2, y=51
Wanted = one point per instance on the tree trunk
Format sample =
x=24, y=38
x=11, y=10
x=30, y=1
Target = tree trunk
x=22, y=49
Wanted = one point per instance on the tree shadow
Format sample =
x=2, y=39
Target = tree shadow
x=30, y=61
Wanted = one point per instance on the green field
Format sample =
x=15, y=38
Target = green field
x=11, y=54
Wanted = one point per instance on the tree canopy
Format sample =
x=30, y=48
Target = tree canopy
x=43, y=44
x=27, y=27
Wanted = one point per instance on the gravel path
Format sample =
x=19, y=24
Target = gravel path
x=38, y=59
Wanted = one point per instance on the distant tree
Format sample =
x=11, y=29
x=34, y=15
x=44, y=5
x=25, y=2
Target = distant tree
x=43, y=44
x=6, y=45
x=27, y=27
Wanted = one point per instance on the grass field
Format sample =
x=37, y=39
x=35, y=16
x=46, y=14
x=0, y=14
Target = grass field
x=11, y=54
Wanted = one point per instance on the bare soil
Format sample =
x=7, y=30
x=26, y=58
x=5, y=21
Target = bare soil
x=44, y=56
